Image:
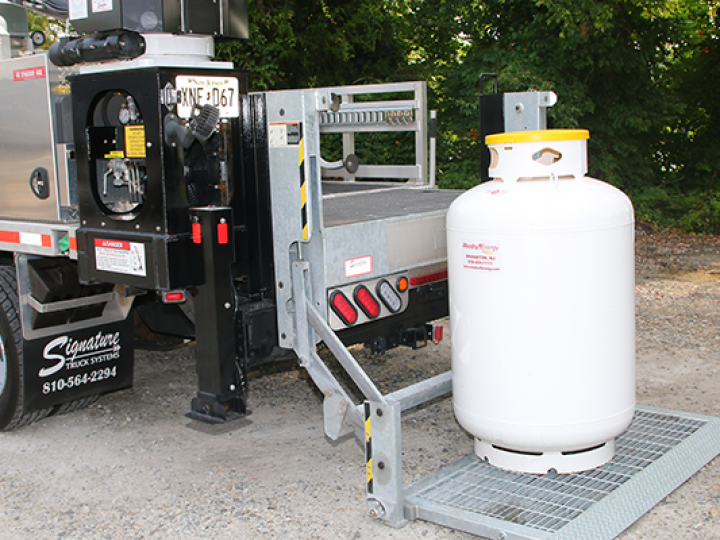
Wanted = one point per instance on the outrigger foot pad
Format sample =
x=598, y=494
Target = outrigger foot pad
x=213, y=413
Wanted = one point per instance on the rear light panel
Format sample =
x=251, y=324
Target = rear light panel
x=368, y=300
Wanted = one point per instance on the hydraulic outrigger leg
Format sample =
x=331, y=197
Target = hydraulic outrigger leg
x=221, y=375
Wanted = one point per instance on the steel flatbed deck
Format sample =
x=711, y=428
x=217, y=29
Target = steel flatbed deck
x=345, y=204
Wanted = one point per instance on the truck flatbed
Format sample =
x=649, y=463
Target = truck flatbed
x=347, y=203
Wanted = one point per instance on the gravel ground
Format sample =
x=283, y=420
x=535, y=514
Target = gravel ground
x=132, y=466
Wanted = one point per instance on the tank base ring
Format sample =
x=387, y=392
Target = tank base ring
x=544, y=462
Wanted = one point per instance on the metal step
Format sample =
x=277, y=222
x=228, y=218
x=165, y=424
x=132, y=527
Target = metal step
x=659, y=451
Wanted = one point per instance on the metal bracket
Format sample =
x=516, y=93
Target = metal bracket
x=335, y=409
x=62, y=305
x=116, y=308
x=383, y=460
x=380, y=115
x=377, y=422
x=323, y=100
x=527, y=110
x=340, y=414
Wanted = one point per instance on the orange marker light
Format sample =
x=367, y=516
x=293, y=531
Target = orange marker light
x=402, y=284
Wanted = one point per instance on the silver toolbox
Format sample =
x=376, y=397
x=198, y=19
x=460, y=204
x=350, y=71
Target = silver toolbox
x=36, y=170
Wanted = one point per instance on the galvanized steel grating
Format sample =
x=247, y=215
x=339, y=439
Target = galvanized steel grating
x=547, y=503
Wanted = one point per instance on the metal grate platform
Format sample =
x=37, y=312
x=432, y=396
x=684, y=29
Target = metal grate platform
x=659, y=451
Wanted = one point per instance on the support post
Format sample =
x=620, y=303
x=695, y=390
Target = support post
x=383, y=462
x=221, y=375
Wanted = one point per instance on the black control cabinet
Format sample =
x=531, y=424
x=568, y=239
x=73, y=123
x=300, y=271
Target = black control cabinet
x=138, y=175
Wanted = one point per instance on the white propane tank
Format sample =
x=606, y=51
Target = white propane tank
x=542, y=307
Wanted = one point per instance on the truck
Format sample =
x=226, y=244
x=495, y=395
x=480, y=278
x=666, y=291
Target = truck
x=149, y=199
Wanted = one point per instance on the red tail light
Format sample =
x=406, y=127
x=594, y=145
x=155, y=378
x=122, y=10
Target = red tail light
x=344, y=309
x=367, y=301
x=196, y=233
x=173, y=297
x=416, y=281
x=222, y=232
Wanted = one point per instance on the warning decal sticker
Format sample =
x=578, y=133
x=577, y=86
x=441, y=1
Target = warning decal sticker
x=135, y=141
x=282, y=134
x=29, y=73
x=481, y=255
x=358, y=266
x=100, y=6
x=120, y=257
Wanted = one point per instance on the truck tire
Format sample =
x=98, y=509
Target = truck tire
x=72, y=406
x=11, y=357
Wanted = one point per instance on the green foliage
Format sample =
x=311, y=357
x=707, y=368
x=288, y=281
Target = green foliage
x=310, y=43
x=603, y=60
x=641, y=75
x=373, y=148
x=52, y=28
x=696, y=212
x=690, y=155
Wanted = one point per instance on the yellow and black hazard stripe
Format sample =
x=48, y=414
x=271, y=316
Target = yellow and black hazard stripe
x=368, y=448
x=303, y=188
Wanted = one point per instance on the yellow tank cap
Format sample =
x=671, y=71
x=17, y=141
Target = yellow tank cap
x=543, y=135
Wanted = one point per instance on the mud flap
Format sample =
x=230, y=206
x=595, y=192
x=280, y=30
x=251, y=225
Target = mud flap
x=73, y=365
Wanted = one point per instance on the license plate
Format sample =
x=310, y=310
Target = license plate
x=220, y=92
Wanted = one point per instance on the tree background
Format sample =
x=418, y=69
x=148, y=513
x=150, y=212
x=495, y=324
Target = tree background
x=641, y=75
